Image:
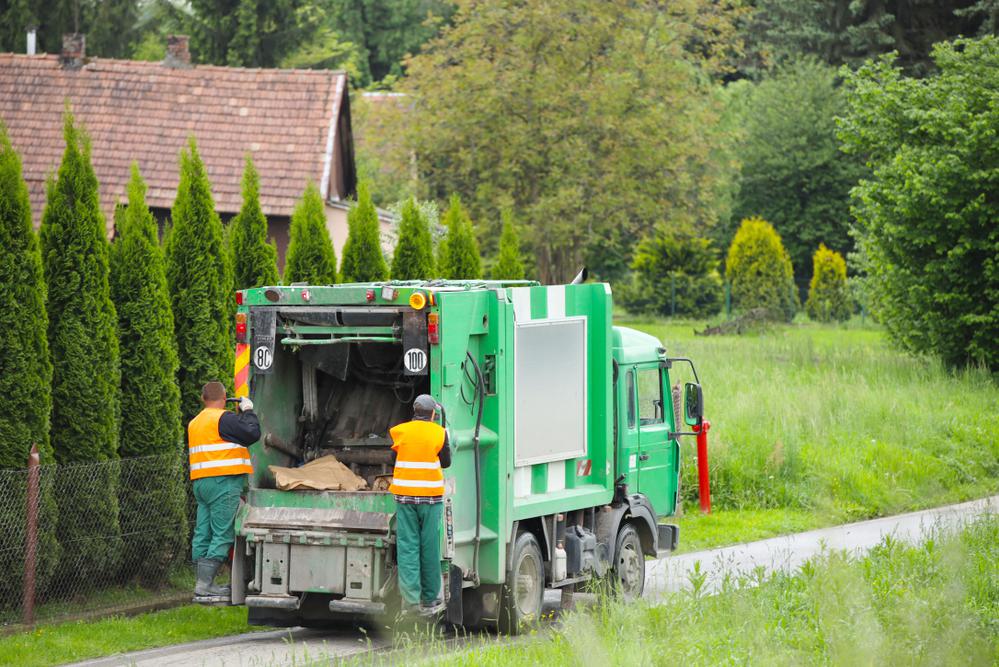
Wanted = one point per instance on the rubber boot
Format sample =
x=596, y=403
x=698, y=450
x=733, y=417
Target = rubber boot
x=204, y=586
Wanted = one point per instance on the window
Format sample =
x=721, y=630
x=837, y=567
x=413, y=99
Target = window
x=650, y=396
x=630, y=388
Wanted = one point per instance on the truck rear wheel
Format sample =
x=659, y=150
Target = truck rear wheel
x=524, y=590
x=628, y=574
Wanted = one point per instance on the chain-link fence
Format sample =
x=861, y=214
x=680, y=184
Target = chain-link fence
x=88, y=538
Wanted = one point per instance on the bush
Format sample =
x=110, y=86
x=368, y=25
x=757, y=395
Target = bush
x=311, y=257
x=362, y=253
x=414, y=251
x=509, y=265
x=254, y=260
x=668, y=260
x=459, y=252
x=828, y=298
x=759, y=269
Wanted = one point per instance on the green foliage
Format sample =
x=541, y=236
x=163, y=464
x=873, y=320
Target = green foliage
x=311, y=258
x=508, y=265
x=150, y=398
x=927, y=215
x=759, y=269
x=414, y=251
x=670, y=264
x=254, y=260
x=199, y=277
x=458, y=257
x=793, y=173
x=828, y=298
x=112, y=27
x=83, y=342
x=249, y=33
x=26, y=373
x=362, y=253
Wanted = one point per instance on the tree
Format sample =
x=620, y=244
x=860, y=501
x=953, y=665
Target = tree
x=827, y=293
x=793, y=173
x=27, y=373
x=150, y=398
x=254, y=260
x=83, y=344
x=509, y=265
x=311, y=258
x=414, y=251
x=250, y=33
x=459, y=252
x=926, y=216
x=111, y=26
x=759, y=269
x=199, y=278
x=591, y=120
x=362, y=253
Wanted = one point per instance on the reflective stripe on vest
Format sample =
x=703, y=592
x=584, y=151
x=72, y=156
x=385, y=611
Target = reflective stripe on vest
x=417, y=469
x=208, y=454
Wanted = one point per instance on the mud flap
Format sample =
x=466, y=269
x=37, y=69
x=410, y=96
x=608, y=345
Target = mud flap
x=455, y=613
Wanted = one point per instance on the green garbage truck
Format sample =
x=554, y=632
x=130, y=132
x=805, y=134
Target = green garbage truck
x=563, y=431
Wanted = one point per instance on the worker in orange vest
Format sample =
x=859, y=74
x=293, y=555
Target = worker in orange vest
x=220, y=461
x=422, y=451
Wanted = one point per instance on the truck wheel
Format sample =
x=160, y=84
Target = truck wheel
x=524, y=590
x=629, y=564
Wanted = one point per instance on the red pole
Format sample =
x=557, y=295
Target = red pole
x=31, y=536
x=703, y=485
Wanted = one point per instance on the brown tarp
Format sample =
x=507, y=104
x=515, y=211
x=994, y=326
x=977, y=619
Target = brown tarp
x=323, y=474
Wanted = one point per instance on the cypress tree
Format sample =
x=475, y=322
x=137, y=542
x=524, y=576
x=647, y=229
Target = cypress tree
x=362, y=253
x=26, y=376
x=414, y=253
x=199, y=278
x=459, y=252
x=311, y=258
x=254, y=260
x=83, y=344
x=150, y=398
x=509, y=266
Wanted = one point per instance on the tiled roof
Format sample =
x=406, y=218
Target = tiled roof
x=145, y=111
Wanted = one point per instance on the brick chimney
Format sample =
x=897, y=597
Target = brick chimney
x=74, y=50
x=177, y=54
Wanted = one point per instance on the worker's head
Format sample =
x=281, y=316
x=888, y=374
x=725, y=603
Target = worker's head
x=424, y=407
x=213, y=395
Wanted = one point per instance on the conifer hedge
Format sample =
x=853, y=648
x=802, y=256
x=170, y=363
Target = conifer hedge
x=459, y=251
x=26, y=376
x=362, y=253
x=83, y=343
x=254, y=260
x=150, y=398
x=509, y=265
x=413, y=258
x=311, y=257
x=760, y=271
x=827, y=293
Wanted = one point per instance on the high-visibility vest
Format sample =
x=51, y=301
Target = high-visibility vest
x=417, y=468
x=208, y=453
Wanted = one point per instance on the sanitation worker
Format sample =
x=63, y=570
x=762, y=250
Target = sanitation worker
x=422, y=450
x=217, y=441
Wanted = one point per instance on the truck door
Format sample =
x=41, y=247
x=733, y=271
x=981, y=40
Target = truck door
x=655, y=452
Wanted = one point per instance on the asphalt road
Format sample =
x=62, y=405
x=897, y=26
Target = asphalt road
x=301, y=646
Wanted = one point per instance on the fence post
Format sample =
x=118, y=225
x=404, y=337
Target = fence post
x=728, y=300
x=672, y=295
x=31, y=536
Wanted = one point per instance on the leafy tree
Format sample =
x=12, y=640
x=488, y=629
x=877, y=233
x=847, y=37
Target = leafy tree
x=827, y=294
x=362, y=253
x=26, y=373
x=674, y=274
x=927, y=215
x=793, y=173
x=249, y=33
x=83, y=343
x=509, y=265
x=199, y=277
x=459, y=252
x=311, y=258
x=254, y=260
x=759, y=269
x=111, y=26
x=150, y=398
x=414, y=252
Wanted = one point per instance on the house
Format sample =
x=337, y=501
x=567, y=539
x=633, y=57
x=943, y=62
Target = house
x=295, y=123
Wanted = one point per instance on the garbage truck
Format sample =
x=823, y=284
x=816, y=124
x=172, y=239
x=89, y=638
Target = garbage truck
x=563, y=430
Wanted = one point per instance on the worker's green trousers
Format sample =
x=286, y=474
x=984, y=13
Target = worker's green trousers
x=214, y=528
x=418, y=551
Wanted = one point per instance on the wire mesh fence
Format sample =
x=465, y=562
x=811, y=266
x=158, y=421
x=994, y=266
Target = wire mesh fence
x=106, y=536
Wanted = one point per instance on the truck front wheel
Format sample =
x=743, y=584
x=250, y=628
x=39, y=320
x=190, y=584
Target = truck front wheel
x=523, y=592
x=629, y=563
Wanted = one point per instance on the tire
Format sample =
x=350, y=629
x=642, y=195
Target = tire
x=524, y=590
x=628, y=570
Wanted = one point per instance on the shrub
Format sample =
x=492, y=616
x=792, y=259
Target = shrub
x=459, y=252
x=254, y=260
x=759, y=270
x=828, y=298
x=311, y=257
x=414, y=252
x=362, y=253
x=509, y=265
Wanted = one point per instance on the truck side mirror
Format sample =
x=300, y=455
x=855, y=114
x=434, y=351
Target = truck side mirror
x=693, y=404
